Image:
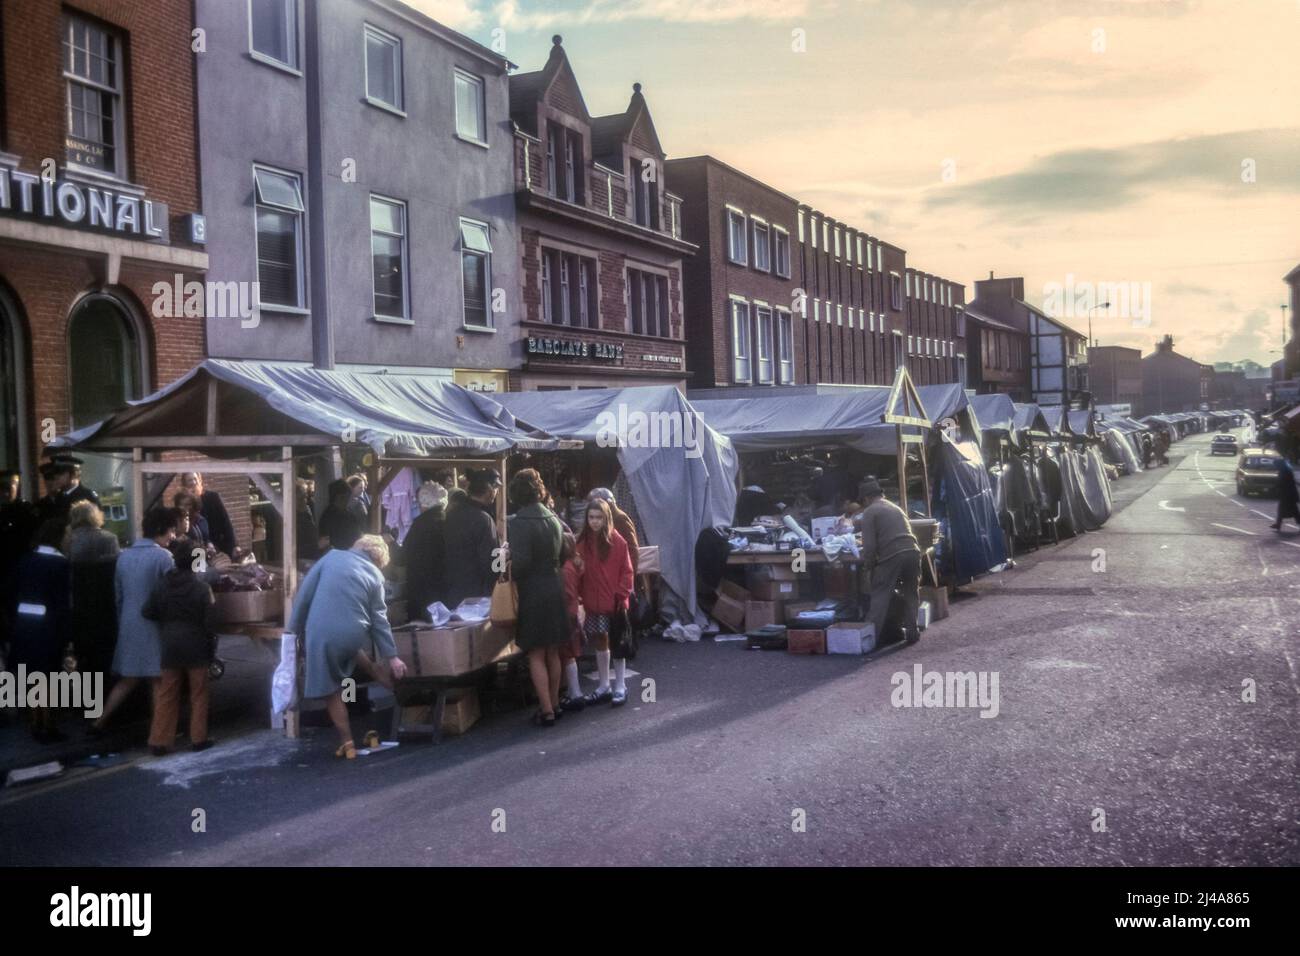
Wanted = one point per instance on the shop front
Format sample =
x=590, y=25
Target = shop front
x=561, y=360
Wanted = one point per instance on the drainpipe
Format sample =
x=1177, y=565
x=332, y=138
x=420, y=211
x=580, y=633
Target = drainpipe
x=322, y=328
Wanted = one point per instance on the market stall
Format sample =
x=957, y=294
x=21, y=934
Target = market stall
x=259, y=418
x=681, y=472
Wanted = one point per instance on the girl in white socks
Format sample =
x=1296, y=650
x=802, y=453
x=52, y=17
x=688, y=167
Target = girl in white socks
x=605, y=586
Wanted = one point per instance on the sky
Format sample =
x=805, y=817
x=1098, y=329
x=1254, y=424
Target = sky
x=1152, y=146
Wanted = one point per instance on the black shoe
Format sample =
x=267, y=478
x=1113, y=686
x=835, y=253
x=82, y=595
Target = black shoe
x=598, y=697
x=619, y=698
x=573, y=705
x=202, y=745
x=158, y=751
x=94, y=733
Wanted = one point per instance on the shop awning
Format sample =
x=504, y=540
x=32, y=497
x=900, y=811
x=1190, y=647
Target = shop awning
x=682, y=472
x=226, y=408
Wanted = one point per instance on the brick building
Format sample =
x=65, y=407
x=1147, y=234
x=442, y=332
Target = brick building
x=599, y=240
x=1115, y=375
x=99, y=202
x=1173, y=382
x=935, y=328
x=739, y=287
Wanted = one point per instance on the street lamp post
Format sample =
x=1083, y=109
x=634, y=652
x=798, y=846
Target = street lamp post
x=1103, y=305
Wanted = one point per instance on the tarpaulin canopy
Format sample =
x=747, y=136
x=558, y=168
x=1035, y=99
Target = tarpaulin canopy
x=681, y=471
x=995, y=412
x=853, y=419
x=1120, y=446
x=1058, y=422
x=1081, y=423
x=1030, y=418
x=943, y=401
x=223, y=407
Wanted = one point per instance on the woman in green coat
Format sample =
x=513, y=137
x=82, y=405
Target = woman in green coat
x=536, y=539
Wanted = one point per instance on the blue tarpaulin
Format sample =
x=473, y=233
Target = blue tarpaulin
x=964, y=503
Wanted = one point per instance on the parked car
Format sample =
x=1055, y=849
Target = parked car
x=1225, y=443
x=1257, y=471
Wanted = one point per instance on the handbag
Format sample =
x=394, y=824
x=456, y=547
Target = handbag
x=504, y=611
x=622, y=636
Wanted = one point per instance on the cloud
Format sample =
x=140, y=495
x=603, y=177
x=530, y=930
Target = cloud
x=1251, y=335
x=458, y=14
x=1094, y=180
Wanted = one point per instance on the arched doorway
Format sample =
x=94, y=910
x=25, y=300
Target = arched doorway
x=11, y=367
x=105, y=359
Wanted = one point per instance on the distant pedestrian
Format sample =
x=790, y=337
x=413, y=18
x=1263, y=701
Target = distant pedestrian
x=1288, y=501
x=181, y=604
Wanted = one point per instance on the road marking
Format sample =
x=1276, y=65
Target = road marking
x=1256, y=511
x=1165, y=506
x=1231, y=528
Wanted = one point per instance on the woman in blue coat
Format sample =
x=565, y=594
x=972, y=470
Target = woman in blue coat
x=42, y=617
x=339, y=610
x=138, y=655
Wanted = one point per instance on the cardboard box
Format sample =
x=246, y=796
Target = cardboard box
x=792, y=609
x=729, y=609
x=806, y=642
x=489, y=644
x=938, y=598
x=460, y=712
x=437, y=651
x=758, y=573
x=775, y=590
x=759, y=613
x=850, y=637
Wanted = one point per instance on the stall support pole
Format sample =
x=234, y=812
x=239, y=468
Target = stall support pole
x=902, y=467
x=137, y=493
x=925, y=479
x=289, y=549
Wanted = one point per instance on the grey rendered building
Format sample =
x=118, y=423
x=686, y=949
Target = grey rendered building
x=357, y=164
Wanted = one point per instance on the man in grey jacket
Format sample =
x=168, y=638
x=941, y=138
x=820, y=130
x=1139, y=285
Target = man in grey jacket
x=891, y=556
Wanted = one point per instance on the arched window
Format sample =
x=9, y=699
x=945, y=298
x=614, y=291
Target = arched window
x=104, y=359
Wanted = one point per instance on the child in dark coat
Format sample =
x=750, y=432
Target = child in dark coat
x=182, y=605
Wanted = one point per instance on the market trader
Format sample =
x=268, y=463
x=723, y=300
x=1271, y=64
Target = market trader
x=221, y=532
x=891, y=555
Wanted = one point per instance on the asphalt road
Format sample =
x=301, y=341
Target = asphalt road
x=1120, y=692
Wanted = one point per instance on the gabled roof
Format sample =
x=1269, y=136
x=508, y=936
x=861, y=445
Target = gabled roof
x=527, y=88
x=988, y=320
x=609, y=133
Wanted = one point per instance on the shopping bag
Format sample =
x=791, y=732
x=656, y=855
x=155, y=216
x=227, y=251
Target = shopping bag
x=622, y=636
x=505, y=602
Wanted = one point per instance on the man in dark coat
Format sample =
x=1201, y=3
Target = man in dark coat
x=64, y=488
x=471, y=537
x=424, y=549
x=221, y=532
x=1288, y=500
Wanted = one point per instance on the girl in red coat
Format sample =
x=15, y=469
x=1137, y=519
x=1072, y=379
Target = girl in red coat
x=605, y=587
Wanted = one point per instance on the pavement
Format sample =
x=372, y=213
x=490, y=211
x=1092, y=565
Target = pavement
x=1147, y=715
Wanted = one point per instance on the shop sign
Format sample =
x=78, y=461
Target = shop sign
x=668, y=359
x=81, y=206
x=575, y=349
